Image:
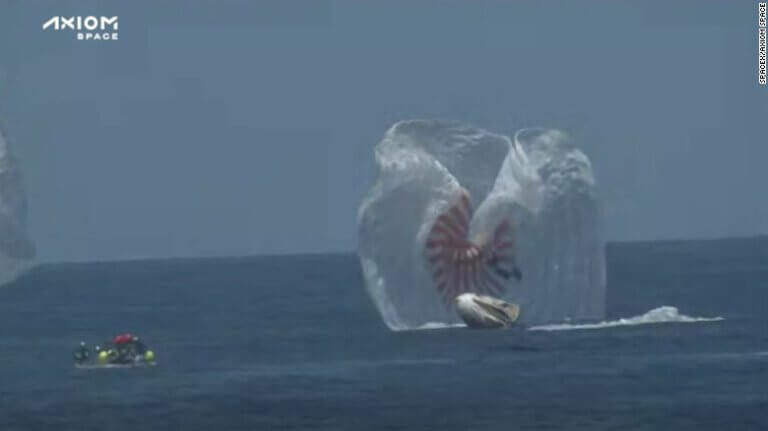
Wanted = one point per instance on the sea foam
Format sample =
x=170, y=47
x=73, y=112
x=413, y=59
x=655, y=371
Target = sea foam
x=663, y=314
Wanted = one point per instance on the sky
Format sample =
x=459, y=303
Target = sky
x=248, y=127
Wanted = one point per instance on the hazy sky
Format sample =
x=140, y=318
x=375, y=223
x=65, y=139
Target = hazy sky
x=229, y=128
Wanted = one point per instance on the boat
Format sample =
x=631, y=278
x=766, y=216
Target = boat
x=128, y=352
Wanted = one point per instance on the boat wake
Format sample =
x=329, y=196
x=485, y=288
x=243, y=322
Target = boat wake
x=664, y=314
x=107, y=366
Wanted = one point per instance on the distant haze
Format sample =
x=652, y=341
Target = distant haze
x=232, y=128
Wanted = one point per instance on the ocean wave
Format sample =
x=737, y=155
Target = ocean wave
x=664, y=314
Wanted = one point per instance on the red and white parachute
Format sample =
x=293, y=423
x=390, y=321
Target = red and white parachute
x=458, y=265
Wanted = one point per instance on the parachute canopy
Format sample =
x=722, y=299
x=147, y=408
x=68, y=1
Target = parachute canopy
x=460, y=265
x=533, y=238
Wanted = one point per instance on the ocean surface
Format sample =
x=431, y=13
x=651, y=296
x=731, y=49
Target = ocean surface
x=294, y=343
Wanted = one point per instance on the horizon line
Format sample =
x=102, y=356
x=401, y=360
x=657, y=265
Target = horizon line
x=354, y=252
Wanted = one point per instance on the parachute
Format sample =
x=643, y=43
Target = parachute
x=533, y=239
x=460, y=265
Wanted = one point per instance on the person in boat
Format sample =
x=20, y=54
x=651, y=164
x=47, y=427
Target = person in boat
x=122, y=344
x=139, y=347
x=81, y=354
x=104, y=351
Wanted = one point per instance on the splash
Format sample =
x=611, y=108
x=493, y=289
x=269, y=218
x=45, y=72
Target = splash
x=16, y=249
x=437, y=325
x=533, y=239
x=664, y=314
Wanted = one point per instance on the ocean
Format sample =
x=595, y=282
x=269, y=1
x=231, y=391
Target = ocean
x=294, y=343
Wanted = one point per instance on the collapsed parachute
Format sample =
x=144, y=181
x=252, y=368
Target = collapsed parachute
x=533, y=239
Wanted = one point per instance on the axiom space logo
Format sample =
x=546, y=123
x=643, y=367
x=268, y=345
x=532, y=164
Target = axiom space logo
x=85, y=27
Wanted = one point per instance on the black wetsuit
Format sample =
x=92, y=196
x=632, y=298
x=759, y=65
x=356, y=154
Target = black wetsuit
x=123, y=355
x=139, y=347
x=81, y=354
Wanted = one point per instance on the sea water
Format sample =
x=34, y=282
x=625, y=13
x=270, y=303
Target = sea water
x=295, y=342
